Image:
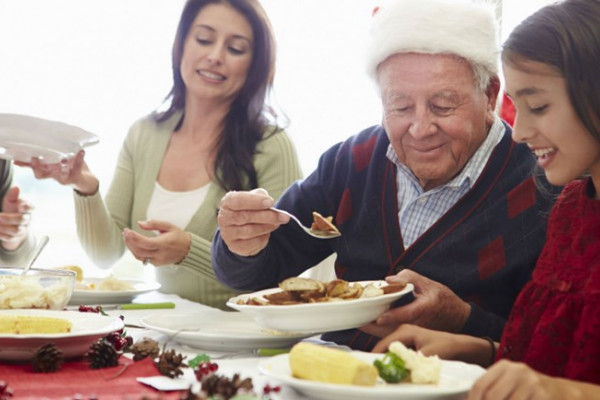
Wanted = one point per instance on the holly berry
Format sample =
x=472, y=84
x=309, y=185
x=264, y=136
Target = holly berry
x=204, y=369
x=270, y=389
x=119, y=340
x=91, y=309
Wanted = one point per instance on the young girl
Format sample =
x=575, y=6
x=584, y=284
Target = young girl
x=551, y=63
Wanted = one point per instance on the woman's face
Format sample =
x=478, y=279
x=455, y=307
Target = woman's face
x=548, y=123
x=217, y=54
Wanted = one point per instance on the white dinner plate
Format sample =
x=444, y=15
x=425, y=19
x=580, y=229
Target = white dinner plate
x=95, y=297
x=318, y=317
x=219, y=330
x=23, y=137
x=86, y=329
x=455, y=381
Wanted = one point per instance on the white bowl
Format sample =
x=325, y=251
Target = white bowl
x=39, y=288
x=318, y=317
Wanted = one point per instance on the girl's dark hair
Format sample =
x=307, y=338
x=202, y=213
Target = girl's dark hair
x=565, y=35
x=249, y=115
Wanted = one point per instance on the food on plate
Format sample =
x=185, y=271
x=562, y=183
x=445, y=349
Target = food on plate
x=78, y=271
x=392, y=368
x=403, y=364
x=28, y=324
x=323, y=226
x=325, y=364
x=110, y=283
x=26, y=292
x=298, y=290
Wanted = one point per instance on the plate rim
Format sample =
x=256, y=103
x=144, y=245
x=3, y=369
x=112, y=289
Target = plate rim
x=190, y=334
x=368, y=300
x=156, y=286
x=114, y=324
x=376, y=392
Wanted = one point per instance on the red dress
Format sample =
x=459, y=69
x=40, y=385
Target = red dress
x=554, y=326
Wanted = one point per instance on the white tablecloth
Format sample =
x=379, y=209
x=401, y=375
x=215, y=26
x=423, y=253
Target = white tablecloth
x=244, y=363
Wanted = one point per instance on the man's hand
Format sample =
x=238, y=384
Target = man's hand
x=14, y=219
x=435, y=307
x=246, y=222
x=170, y=246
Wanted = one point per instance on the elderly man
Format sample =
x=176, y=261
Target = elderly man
x=438, y=194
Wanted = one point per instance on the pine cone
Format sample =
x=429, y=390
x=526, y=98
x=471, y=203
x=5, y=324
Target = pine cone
x=47, y=358
x=102, y=354
x=169, y=363
x=145, y=348
x=219, y=385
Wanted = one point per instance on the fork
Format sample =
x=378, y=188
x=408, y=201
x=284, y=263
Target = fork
x=316, y=234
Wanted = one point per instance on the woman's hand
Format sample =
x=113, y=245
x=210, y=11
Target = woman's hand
x=170, y=246
x=14, y=219
x=507, y=380
x=73, y=172
x=449, y=346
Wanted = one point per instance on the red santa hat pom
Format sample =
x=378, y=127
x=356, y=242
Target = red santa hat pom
x=467, y=28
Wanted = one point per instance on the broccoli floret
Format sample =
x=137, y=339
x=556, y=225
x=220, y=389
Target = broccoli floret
x=391, y=368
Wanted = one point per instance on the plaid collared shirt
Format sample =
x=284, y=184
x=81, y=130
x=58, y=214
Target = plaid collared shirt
x=419, y=210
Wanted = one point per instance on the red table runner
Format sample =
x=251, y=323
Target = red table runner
x=76, y=380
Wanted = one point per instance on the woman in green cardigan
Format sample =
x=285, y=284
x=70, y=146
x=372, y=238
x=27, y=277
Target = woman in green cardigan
x=216, y=134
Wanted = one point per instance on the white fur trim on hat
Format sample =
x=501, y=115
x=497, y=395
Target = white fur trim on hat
x=467, y=28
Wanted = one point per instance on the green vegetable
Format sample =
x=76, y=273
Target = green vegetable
x=391, y=368
x=196, y=361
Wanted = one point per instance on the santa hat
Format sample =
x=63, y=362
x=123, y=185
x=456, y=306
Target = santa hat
x=467, y=28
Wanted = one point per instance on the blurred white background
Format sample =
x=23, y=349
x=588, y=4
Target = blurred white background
x=102, y=65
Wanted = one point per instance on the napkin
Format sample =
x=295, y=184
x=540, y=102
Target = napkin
x=76, y=378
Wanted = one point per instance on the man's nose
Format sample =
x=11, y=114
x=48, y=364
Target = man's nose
x=423, y=124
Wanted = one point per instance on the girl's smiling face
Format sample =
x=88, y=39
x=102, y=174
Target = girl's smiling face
x=548, y=123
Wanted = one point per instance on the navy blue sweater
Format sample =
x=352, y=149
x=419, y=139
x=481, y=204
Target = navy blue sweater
x=484, y=248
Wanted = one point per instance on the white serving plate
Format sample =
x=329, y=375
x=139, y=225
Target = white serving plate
x=219, y=330
x=95, y=297
x=87, y=328
x=318, y=317
x=23, y=137
x=456, y=380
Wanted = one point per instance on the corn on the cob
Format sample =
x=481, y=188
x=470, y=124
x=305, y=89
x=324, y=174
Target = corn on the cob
x=26, y=324
x=319, y=363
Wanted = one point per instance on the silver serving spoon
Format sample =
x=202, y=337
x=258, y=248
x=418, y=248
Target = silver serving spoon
x=36, y=252
x=317, y=234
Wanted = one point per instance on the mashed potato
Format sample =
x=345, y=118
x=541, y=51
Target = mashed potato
x=423, y=369
x=110, y=283
x=22, y=292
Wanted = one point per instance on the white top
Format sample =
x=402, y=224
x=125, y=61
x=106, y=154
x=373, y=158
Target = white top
x=176, y=207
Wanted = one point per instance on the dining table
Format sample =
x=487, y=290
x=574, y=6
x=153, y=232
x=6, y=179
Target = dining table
x=234, y=341
x=141, y=379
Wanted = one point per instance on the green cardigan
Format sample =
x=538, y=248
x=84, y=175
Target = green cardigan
x=100, y=223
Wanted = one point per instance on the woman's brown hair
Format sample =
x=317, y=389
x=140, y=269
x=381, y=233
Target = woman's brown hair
x=249, y=116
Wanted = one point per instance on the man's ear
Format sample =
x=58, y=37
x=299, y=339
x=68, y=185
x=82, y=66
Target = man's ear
x=493, y=90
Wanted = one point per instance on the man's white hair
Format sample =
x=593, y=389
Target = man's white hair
x=466, y=28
